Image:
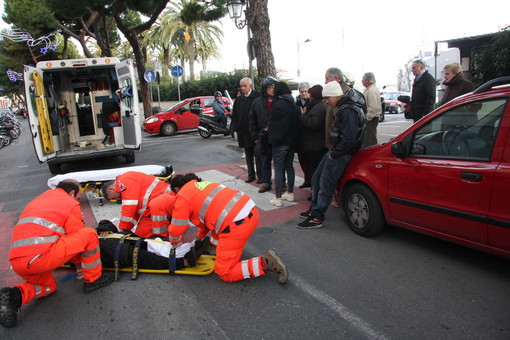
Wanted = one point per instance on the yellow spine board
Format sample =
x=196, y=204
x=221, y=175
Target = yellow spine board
x=205, y=266
x=43, y=114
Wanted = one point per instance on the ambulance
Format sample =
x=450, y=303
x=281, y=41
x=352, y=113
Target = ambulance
x=83, y=109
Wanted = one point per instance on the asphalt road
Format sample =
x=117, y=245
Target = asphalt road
x=398, y=285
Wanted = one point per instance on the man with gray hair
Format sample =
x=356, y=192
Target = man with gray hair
x=240, y=124
x=423, y=96
x=302, y=99
x=374, y=109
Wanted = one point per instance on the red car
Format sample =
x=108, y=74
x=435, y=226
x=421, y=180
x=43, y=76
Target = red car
x=392, y=104
x=179, y=117
x=447, y=176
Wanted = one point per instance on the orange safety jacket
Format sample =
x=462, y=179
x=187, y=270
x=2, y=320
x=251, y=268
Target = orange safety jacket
x=209, y=206
x=137, y=190
x=161, y=209
x=49, y=216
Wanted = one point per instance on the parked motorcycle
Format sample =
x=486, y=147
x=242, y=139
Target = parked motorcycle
x=5, y=132
x=208, y=124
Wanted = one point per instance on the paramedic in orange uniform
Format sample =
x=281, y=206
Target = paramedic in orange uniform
x=136, y=190
x=231, y=217
x=49, y=233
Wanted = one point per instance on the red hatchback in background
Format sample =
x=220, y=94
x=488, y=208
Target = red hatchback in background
x=179, y=117
x=447, y=176
x=392, y=104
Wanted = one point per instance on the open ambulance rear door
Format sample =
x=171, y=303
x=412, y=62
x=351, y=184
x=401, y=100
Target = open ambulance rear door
x=129, y=104
x=38, y=114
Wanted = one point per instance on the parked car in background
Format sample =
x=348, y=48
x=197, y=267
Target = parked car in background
x=392, y=104
x=447, y=175
x=179, y=117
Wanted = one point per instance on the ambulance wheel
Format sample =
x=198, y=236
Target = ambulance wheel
x=54, y=168
x=130, y=157
x=167, y=129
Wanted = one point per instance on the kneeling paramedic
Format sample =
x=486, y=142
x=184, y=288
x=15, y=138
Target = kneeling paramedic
x=49, y=233
x=231, y=217
x=136, y=190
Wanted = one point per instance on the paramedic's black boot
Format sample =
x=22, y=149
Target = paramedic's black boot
x=103, y=281
x=10, y=302
x=273, y=263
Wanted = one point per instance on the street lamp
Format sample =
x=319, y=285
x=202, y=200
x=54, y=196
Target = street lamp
x=298, y=57
x=236, y=9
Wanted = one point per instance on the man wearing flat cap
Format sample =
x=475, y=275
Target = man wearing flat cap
x=346, y=137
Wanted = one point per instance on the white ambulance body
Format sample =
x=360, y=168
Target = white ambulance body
x=83, y=108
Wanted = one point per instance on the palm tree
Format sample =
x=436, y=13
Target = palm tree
x=183, y=28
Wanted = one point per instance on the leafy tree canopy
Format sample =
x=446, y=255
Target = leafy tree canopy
x=492, y=61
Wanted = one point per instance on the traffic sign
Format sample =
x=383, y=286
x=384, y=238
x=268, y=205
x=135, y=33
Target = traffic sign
x=157, y=66
x=149, y=76
x=177, y=71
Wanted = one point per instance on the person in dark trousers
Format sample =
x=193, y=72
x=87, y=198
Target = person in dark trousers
x=283, y=132
x=259, y=119
x=423, y=96
x=311, y=146
x=346, y=136
x=240, y=124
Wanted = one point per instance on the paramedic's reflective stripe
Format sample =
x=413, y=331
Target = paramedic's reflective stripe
x=213, y=241
x=129, y=202
x=168, y=190
x=147, y=195
x=179, y=222
x=43, y=223
x=159, y=230
x=226, y=210
x=91, y=265
x=38, y=290
x=34, y=240
x=127, y=219
x=90, y=252
x=208, y=201
x=219, y=221
x=255, y=264
x=175, y=239
x=159, y=218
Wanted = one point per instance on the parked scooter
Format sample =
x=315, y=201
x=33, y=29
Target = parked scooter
x=208, y=124
x=6, y=131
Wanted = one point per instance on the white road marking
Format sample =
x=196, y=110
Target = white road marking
x=361, y=325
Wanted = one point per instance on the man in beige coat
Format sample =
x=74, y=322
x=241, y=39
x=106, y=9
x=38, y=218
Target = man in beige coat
x=374, y=109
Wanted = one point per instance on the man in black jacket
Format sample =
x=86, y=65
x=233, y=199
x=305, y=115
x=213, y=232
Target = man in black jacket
x=259, y=119
x=240, y=124
x=423, y=96
x=346, y=137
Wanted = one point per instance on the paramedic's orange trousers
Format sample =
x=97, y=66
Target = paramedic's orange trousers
x=230, y=249
x=81, y=246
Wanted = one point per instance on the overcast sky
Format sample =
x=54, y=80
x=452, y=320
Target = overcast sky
x=358, y=36
x=361, y=36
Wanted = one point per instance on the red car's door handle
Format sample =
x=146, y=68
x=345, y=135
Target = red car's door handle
x=471, y=176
